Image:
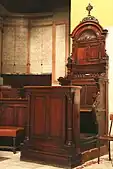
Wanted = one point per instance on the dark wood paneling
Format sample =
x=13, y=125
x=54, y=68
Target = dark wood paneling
x=18, y=81
x=8, y=92
x=39, y=124
x=7, y=116
x=54, y=125
x=13, y=112
x=56, y=116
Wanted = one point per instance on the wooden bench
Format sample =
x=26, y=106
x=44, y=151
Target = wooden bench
x=13, y=132
x=13, y=120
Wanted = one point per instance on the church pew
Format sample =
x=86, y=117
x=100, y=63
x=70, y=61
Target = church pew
x=13, y=121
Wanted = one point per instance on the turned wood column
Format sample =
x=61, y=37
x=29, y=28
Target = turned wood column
x=69, y=134
x=73, y=118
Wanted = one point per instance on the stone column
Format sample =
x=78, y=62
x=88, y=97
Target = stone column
x=1, y=32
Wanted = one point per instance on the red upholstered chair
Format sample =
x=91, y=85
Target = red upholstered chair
x=107, y=138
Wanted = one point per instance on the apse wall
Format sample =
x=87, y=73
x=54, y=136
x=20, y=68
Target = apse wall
x=35, y=44
x=0, y=39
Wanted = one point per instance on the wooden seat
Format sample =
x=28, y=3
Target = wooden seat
x=108, y=138
x=11, y=131
x=13, y=120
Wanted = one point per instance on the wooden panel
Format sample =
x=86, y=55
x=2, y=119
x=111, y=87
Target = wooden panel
x=13, y=112
x=93, y=52
x=8, y=92
x=21, y=115
x=7, y=115
x=88, y=94
x=56, y=110
x=82, y=95
x=39, y=119
x=81, y=55
x=91, y=91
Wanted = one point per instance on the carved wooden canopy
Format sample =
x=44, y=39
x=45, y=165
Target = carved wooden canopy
x=88, y=45
x=88, y=50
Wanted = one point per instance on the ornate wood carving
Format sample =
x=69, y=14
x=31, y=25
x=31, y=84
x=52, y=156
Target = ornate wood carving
x=88, y=66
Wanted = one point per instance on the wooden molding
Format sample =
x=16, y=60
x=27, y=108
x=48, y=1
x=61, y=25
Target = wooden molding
x=66, y=23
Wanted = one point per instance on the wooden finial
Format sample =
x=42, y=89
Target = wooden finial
x=89, y=8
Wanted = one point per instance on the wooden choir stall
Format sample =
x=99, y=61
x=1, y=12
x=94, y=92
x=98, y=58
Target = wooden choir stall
x=13, y=118
x=88, y=67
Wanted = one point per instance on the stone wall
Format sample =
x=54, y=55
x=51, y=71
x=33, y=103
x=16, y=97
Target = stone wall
x=1, y=29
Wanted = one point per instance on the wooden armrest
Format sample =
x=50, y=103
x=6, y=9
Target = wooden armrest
x=85, y=109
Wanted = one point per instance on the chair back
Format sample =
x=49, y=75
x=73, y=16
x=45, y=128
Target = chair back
x=111, y=119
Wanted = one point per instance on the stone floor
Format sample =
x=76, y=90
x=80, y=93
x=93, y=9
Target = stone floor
x=9, y=160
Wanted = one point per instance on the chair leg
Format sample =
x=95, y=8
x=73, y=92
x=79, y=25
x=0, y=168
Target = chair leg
x=14, y=145
x=109, y=150
x=98, y=142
